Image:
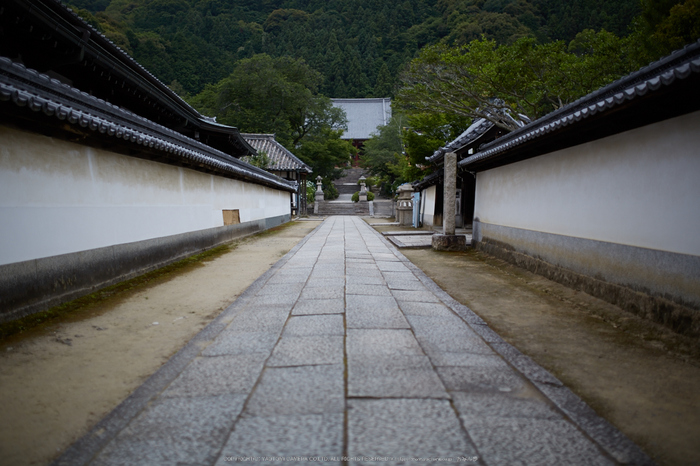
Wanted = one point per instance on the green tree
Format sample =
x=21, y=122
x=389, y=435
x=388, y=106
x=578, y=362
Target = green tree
x=263, y=94
x=385, y=83
x=664, y=26
x=260, y=160
x=681, y=27
x=315, y=118
x=385, y=156
x=396, y=153
x=510, y=85
x=326, y=153
x=424, y=134
x=280, y=96
x=383, y=149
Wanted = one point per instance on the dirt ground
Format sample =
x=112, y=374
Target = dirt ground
x=642, y=378
x=59, y=380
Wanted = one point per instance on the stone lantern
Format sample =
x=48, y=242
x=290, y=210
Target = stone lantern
x=363, y=189
x=318, y=197
x=404, y=205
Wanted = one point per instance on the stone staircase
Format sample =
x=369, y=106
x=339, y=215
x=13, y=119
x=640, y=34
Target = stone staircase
x=346, y=186
x=382, y=208
x=348, y=183
x=343, y=208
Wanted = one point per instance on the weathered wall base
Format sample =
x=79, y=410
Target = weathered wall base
x=661, y=286
x=36, y=285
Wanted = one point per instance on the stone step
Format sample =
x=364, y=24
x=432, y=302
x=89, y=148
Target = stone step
x=347, y=188
x=352, y=175
x=382, y=208
x=343, y=208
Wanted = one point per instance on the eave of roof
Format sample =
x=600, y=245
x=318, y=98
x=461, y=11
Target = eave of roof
x=22, y=87
x=477, y=129
x=614, y=102
x=429, y=180
x=281, y=159
x=53, y=10
x=65, y=23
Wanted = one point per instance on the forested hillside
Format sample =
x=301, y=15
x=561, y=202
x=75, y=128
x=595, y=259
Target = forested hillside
x=358, y=46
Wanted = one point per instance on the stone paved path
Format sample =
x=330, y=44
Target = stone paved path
x=346, y=351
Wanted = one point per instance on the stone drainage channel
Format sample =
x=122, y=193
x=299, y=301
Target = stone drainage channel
x=344, y=352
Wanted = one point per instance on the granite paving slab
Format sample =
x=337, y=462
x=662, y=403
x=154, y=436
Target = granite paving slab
x=394, y=377
x=344, y=352
x=399, y=431
x=373, y=312
x=298, y=390
x=319, y=306
x=208, y=376
x=315, y=325
x=307, y=351
x=175, y=431
x=371, y=289
x=275, y=438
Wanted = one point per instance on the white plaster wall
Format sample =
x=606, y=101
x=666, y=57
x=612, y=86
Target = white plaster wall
x=428, y=205
x=639, y=188
x=58, y=197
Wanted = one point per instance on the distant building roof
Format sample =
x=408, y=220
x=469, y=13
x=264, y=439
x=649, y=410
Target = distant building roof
x=364, y=115
x=280, y=158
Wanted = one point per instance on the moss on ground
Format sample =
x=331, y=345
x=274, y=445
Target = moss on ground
x=77, y=307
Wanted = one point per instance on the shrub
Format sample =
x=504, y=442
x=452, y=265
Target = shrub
x=369, y=182
x=331, y=192
x=356, y=196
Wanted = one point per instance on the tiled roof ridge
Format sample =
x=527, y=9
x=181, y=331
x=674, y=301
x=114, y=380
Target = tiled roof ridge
x=284, y=152
x=39, y=92
x=258, y=135
x=429, y=179
x=678, y=65
x=476, y=129
x=360, y=99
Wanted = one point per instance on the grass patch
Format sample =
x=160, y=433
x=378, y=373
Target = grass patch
x=77, y=308
x=273, y=230
x=120, y=290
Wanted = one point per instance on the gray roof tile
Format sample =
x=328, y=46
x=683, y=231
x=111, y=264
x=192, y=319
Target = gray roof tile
x=475, y=130
x=364, y=115
x=280, y=158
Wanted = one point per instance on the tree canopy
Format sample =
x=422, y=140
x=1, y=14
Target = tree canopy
x=350, y=42
x=510, y=85
x=280, y=95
